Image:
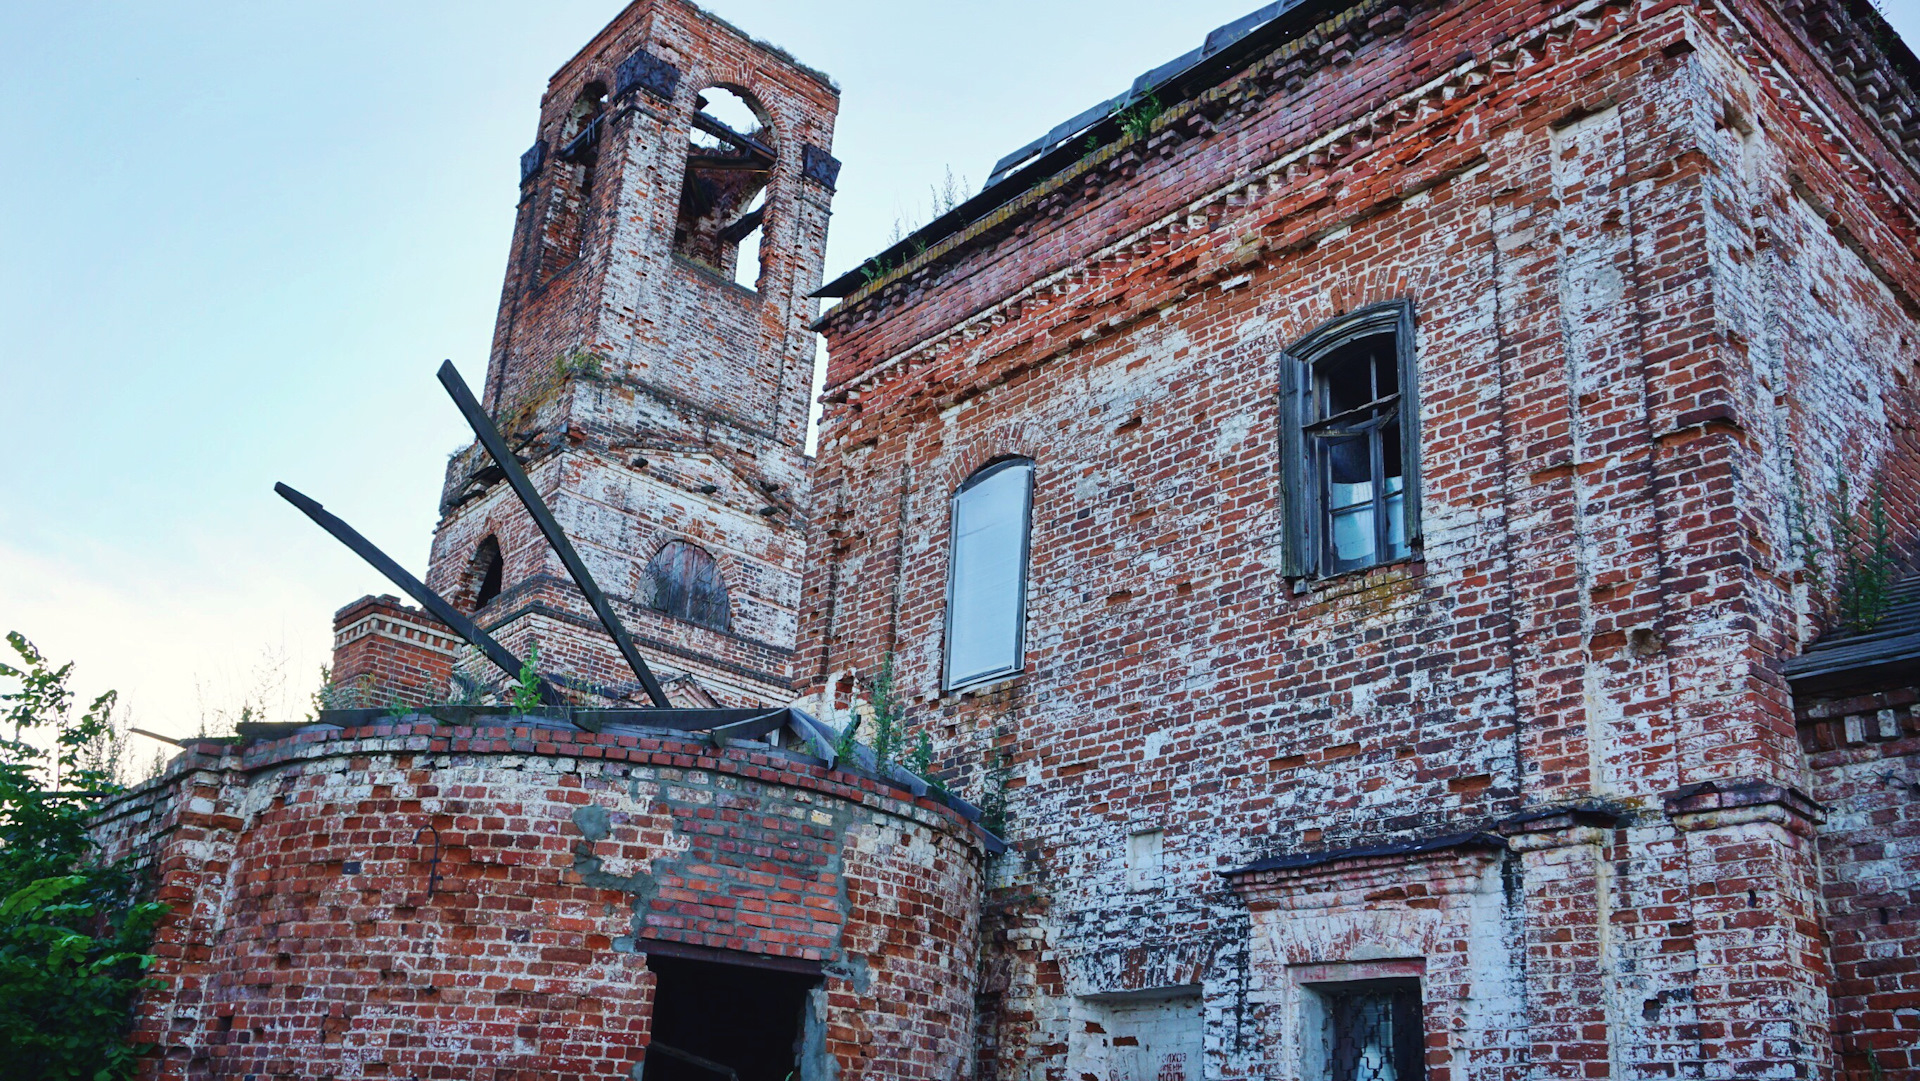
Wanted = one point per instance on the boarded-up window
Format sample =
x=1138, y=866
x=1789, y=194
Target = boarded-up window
x=987, y=573
x=684, y=582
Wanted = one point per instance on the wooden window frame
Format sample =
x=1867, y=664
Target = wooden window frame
x=1306, y=512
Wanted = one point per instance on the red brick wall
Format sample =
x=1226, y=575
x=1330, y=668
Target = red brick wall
x=691, y=423
x=385, y=652
x=304, y=942
x=1659, y=303
x=1863, y=758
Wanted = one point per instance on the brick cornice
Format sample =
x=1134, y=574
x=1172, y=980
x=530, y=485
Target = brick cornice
x=208, y=764
x=1742, y=800
x=1297, y=184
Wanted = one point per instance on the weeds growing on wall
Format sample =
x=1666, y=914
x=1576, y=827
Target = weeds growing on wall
x=1866, y=566
x=887, y=729
x=73, y=936
x=1865, y=563
x=993, y=792
x=579, y=363
x=526, y=692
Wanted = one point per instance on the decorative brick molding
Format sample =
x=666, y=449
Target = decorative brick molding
x=1717, y=804
x=1434, y=909
x=385, y=651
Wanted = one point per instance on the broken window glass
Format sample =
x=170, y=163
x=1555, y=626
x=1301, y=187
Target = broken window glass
x=683, y=581
x=1348, y=448
x=987, y=572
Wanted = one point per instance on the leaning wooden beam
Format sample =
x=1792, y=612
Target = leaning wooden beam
x=489, y=437
x=415, y=588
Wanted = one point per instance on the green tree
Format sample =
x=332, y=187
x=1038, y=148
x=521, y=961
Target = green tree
x=73, y=935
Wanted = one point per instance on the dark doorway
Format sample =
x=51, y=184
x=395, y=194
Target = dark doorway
x=712, y=1022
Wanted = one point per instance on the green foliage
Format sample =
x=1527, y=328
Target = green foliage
x=331, y=695
x=1864, y=576
x=1137, y=119
x=849, y=738
x=579, y=363
x=887, y=715
x=876, y=268
x=464, y=689
x=920, y=759
x=1864, y=559
x=526, y=692
x=72, y=938
x=993, y=792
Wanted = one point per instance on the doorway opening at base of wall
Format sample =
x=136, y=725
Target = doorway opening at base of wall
x=720, y=1022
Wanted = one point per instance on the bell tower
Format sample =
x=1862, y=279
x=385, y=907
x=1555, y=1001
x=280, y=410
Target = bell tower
x=652, y=362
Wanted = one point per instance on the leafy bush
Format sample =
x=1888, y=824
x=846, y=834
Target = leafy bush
x=73, y=937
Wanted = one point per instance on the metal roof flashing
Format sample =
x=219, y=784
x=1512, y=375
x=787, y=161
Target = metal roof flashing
x=1889, y=653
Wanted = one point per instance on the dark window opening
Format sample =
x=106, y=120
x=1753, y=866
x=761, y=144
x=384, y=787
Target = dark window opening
x=683, y=581
x=570, y=199
x=485, y=572
x=712, y=1021
x=1352, y=469
x=723, y=205
x=1372, y=1030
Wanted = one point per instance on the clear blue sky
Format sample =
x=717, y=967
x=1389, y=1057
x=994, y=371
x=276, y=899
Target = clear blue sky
x=236, y=238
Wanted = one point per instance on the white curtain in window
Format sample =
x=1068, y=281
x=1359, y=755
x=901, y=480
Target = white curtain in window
x=987, y=580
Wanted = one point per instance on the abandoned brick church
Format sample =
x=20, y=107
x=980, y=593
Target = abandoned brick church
x=1376, y=539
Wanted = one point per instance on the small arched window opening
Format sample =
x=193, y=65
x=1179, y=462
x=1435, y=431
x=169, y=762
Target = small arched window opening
x=723, y=207
x=987, y=573
x=570, y=201
x=683, y=581
x=485, y=573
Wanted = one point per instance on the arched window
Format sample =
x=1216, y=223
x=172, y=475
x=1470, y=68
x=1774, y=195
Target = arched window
x=485, y=573
x=730, y=158
x=571, y=199
x=987, y=573
x=684, y=582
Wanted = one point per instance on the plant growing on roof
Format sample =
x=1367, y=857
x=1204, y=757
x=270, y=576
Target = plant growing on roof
x=526, y=692
x=1865, y=569
x=920, y=761
x=993, y=791
x=1137, y=118
x=887, y=713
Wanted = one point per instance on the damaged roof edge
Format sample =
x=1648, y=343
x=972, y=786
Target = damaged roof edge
x=1243, y=41
x=1227, y=50
x=599, y=40
x=1476, y=839
x=803, y=68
